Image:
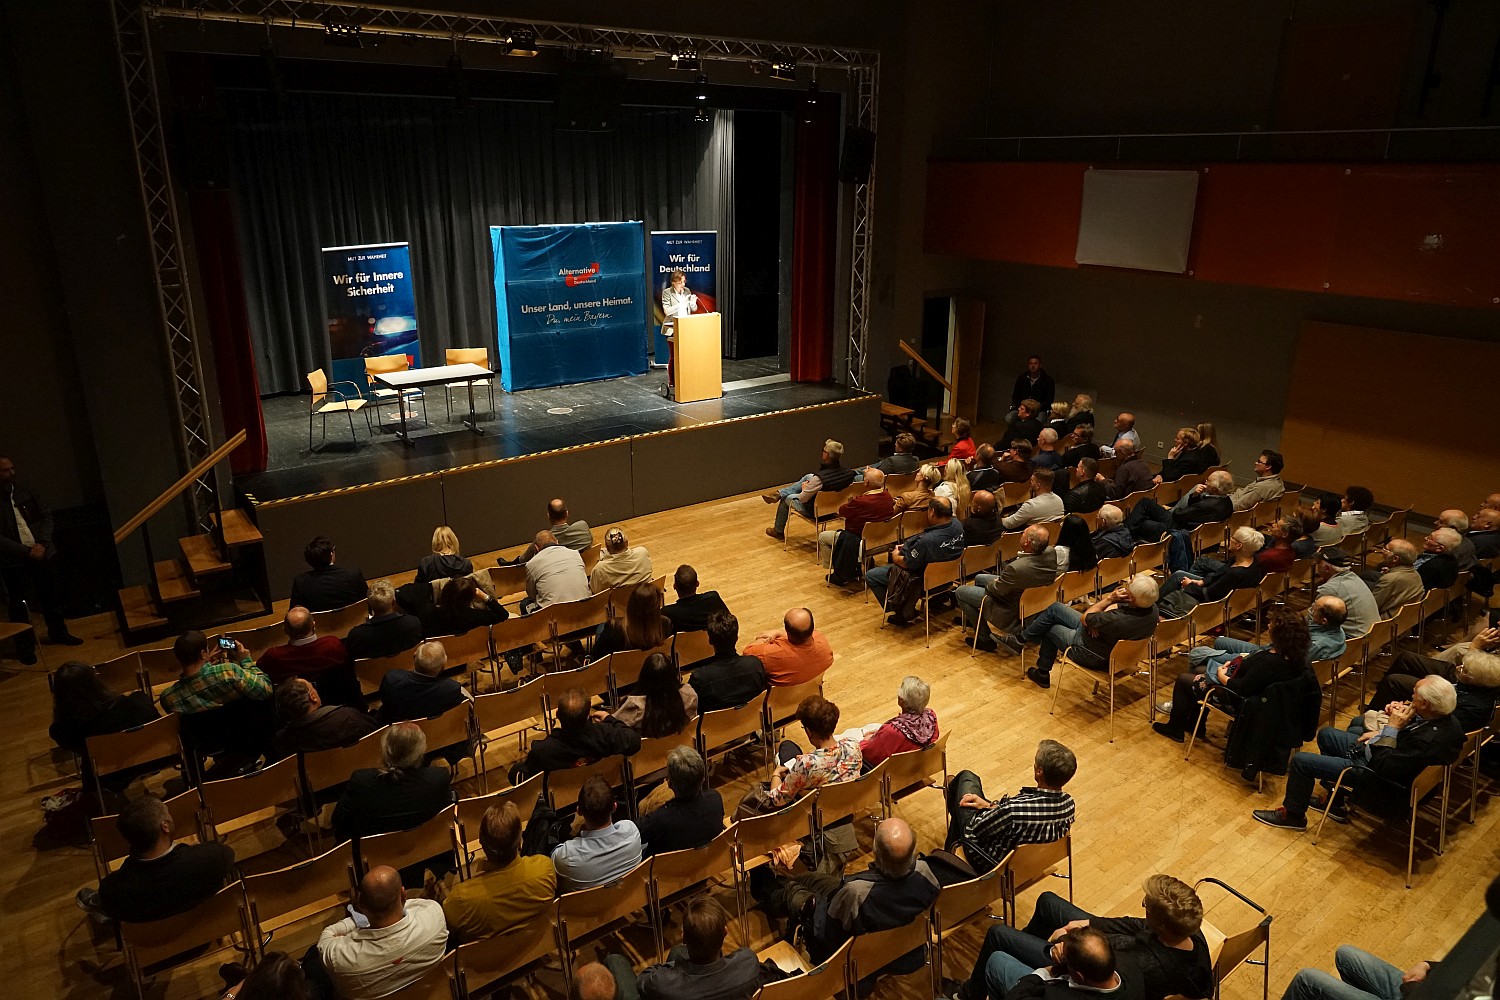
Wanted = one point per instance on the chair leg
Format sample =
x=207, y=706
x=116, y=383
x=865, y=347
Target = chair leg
x=927, y=615
x=309, y=430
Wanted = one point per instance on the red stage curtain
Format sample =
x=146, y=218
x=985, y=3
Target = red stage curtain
x=814, y=232
x=223, y=286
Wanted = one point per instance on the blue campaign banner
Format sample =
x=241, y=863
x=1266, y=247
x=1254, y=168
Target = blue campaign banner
x=371, y=307
x=696, y=255
x=569, y=302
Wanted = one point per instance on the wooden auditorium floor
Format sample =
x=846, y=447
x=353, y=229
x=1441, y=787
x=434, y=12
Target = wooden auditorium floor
x=1141, y=809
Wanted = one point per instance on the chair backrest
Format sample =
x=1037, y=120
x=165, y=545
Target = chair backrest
x=158, y=739
x=110, y=846
x=317, y=381
x=692, y=648
x=591, y=556
x=467, y=356
x=915, y=767
x=340, y=620
x=1272, y=586
x=437, y=983
x=122, y=674
x=324, y=769
x=235, y=803
x=677, y=872
x=718, y=729
x=1264, y=512
x=1206, y=536
x=454, y=726
x=842, y=799
x=625, y=665
x=824, y=982
x=575, y=616
x=1408, y=617
x=897, y=483
x=1422, y=785
x=216, y=917
x=1035, y=600
x=471, y=647
x=1090, y=518
x=302, y=890
x=1010, y=545
x=159, y=667
x=372, y=671
x=912, y=522
x=757, y=835
x=1129, y=500
x=1150, y=555
x=484, y=963
x=827, y=504
x=433, y=837
x=382, y=364
x=980, y=558
x=961, y=902
x=563, y=786
x=520, y=631
x=1076, y=583
x=1242, y=601
x=508, y=579
x=470, y=815
x=503, y=709
x=1015, y=493
x=877, y=535
x=261, y=638
x=1170, y=633
x=1395, y=525
x=582, y=912
x=873, y=952
x=937, y=575
x=1208, y=615
x=1126, y=656
x=651, y=759
x=1030, y=863
x=782, y=701
x=593, y=678
x=1053, y=529
x=1113, y=570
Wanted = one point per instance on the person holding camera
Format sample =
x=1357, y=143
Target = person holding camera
x=215, y=673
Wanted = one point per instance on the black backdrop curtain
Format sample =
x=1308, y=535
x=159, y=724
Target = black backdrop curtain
x=336, y=170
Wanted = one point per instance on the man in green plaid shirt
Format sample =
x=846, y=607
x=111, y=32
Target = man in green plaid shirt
x=212, y=677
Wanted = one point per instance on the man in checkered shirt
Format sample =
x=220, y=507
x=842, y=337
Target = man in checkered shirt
x=990, y=830
x=211, y=677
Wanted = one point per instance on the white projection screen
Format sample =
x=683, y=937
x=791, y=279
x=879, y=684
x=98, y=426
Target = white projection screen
x=1141, y=219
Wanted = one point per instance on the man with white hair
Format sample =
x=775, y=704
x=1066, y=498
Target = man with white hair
x=1045, y=455
x=1112, y=537
x=1203, y=504
x=1127, y=612
x=1467, y=557
x=1397, y=582
x=620, y=564
x=831, y=476
x=1475, y=676
x=1419, y=734
x=1211, y=579
x=1132, y=474
x=389, y=630
x=1035, y=566
x=1438, y=563
x=421, y=692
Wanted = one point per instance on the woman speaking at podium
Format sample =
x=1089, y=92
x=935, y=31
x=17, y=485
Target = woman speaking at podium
x=676, y=301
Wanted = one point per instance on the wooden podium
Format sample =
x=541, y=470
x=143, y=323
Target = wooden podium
x=697, y=357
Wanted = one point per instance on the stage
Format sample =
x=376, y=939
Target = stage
x=614, y=449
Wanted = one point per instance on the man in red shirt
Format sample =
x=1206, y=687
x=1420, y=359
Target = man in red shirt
x=319, y=659
x=875, y=504
x=795, y=653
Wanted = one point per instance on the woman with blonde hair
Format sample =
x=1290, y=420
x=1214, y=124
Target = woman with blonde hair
x=1185, y=458
x=929, y=477
x=955, y=486
x=1208, y=444
x=445, y=561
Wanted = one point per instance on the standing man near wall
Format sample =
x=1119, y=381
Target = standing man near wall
x=26, y=561
x=1034, y=383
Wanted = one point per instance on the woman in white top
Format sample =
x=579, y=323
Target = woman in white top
x=955, y=486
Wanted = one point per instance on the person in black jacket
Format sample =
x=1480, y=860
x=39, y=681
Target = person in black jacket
x=444, y=562
x=159, y=878
x=308, y=725
x=1085, y=494
x=577, y=739
x=28, y=558
x=1437, y=565
x=1081, y=964
x=1476, y=678
x=729, y=679
x=982, y=526
x=456, y=613
x=1215, y=579
x=1186, y=457
x=1084, y=447
x=397, y=796
x=82, y=707
x=831, y=477
x=1034, y=383
x=421, y=692
x=1205, y=503
x=1025, y=426
x=695, y=813
x=389, y=629
x=326, y=586
x=1244, y=677
x=1113, y=538
x=1419, y=734
x=691, y=611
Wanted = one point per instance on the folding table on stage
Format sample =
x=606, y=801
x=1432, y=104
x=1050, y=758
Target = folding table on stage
x=415, y=378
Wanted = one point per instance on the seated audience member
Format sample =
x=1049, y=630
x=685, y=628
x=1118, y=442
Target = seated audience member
x=1211, y=579
x=308, y=725
x=326, y=586
x=1336, y=579
x=1437, y=565
x=596, y=981
x=729, y=680
x=795, y=653
x=1465, y=553
x=832, y=758
x=1418, y=734
x=955, y=487
x=871, y=506
x=388, y=631
x=1113, y=538
x=1127, y=612
x=929, y=478
x=1284, y=660
x=1361, y=976
x=903, y=460
x=1267, y=485
x=1058, y=419
x=1167, y=945
x=277, y=976
x=1185, y=458
x=212, y=677
x=444, y=561
x=1396, y=582
x=320, y=659
x=1085, y=493
x=1083, y=447
x=695, y=813
x=390, y=942
x=1083, y=963
x=982, y=525
x=1044, y=504
x=1325, y=632
x=988, y=831
x=831, y=476
x=158, y=878
x=423, y=691
x=1277, y=556
x=604, y=849
x=1044, y=450
x=555, y=573
x=1316, y=533
x=1124, y=431
x=643, y=626
x=698, y=969
x=691, y=611
x=577, y=739
x=82, y=706
x=941, y=541
x=1035, y=565
x=1475, y=678
x=462, y=607
x=914, y=728
x=1026, y=423
x=620, y=564
x=1205, y=503
x=1075, y=546
x=1354, y=510
x=963, y=444
x=983, y=475
x=662, y=703
x=398, y=795
x=507, y=889
x=571, y=534
x=1208, y=444
x=1484, y=533
x=1081, y=412
x=1132, y=474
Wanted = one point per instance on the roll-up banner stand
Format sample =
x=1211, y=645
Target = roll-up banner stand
x=694, y=253
x=371, y=308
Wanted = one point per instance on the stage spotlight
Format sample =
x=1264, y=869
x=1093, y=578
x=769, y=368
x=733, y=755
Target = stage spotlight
x=784, y=69
x=521, y=42
x=810, y=103
x=339, y=33
x=685, y=59
x=702, y=92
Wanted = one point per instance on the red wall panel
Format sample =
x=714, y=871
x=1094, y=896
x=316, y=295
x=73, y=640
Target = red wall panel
x=1268, y=225
x=1022, y=212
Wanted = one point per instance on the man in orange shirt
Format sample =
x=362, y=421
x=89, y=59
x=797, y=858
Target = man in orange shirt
x=795, y=653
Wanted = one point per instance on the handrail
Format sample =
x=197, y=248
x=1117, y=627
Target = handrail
x=172, y=492
x=925, y=366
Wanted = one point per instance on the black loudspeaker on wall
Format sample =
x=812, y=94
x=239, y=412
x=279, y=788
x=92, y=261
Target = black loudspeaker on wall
x=858, y=156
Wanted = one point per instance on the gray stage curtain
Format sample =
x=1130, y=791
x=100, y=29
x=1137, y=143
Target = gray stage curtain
x=338, y=170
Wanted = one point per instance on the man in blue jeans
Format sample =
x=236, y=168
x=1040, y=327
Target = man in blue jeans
x=941, y=541
x=1361, y=976
x=831, y=476
x=1127, y=612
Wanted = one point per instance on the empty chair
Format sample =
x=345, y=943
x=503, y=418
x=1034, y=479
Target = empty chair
x=332, y=398
x=300, y=895
x=468, y=356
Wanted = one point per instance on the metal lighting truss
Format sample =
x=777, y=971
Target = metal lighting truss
x=406, y=22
